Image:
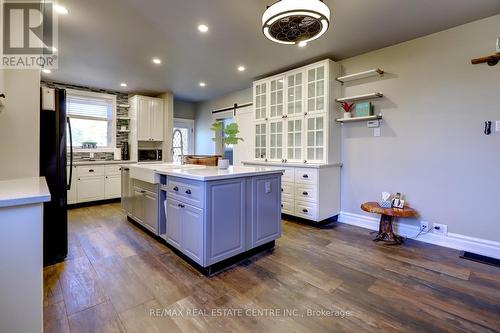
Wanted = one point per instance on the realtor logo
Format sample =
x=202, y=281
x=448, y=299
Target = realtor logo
x=29, y=35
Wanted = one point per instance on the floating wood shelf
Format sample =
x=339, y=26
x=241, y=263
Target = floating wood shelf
x=354, y=119
x=492, y=60
x=123, y=131
x=360, y=75
x=360, y=97
x=123, y=118
x=123, y=105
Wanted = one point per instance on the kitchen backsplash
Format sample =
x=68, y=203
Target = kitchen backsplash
x=121, y=99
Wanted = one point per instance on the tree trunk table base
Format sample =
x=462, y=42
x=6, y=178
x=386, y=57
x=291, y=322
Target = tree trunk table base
x=385, y=232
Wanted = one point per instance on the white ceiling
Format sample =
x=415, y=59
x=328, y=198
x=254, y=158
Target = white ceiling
x=105, y=42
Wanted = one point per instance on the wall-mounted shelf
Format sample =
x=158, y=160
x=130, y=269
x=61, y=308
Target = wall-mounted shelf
x=491, y=60
x=360, y=97
x=123, y=118
x=123, y=131
x=123, y=105
x=360, y=75
x=354, y=119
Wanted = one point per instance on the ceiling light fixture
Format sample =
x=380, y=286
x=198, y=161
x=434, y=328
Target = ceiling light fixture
x=296, y=21
x=157, y=61
x=203, y=28
x=241, y=68
x=61, y=9
x=202, y=84
x=123, y=84
x=46, y=71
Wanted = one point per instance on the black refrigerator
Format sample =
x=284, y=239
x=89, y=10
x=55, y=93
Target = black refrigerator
x=53, y=138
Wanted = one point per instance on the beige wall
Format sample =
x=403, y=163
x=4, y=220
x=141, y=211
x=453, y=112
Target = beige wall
x=432, y=147
x=20, y=124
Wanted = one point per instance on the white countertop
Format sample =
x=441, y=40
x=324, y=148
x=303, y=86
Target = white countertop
x=23, y=191
x=206, y=173
x=100, y=162
x=296, y=165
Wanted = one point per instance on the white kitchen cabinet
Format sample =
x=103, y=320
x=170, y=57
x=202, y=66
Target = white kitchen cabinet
x=90, y=188
x=149, y=115
x=295, y=116
x=144, y=205
x=112, y=187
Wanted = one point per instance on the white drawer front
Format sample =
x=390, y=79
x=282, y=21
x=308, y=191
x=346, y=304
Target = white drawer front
x=190, y=193
x=111, y=170
x=306, y=176
x=288, y=175
x=90, y=170
x=287, y=205
x=306, y=193
x=306, y=210
x=287, y=189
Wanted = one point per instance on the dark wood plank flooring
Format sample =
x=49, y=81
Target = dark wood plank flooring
x=116, y=273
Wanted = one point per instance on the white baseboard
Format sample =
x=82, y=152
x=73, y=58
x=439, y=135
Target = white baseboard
x=453, y=241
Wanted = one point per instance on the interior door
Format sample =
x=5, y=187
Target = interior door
x=143, y=119
x=243, y=150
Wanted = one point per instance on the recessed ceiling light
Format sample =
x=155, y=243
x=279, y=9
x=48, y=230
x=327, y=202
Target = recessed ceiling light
x=46, y=71
x=157, y=61
x=202, y=84
x=61, y=9
x=123, y=84
x=302, y=44
x=241, y=68
x=203, y=28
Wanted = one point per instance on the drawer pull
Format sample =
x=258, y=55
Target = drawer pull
x=305, y=210
x=181, y=205
x=91, y=170
x=305, y=193
x=305, y=176
x=143, y=192
x=281, y=205
x=282, y=190
x=176, y=189
x=188, y=191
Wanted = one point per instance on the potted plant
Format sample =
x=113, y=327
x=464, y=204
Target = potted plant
x=225, y=135
x=347, y=109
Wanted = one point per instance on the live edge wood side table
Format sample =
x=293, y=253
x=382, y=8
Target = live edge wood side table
x=387, y=215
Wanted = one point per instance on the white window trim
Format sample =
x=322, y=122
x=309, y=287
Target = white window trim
x=83, y=93
x=189, y=123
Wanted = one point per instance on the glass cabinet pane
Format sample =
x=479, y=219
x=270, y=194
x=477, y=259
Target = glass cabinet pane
x=260, y=140
x=276, y=140
x=315, y=142
x=316, y=89
x=261, y=101
x=294, y=94
x=276, y=103
x=294, y=139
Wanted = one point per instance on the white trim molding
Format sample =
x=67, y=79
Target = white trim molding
x=451, y=240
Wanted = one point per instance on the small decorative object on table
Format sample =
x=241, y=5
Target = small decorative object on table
x=347, y=109
x=398, y=202
x=225, y=135
x=385, y=202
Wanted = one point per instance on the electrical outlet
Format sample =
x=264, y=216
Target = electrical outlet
x=424, y=226
x=441, y=229
x=497, y=125
x=376, y=132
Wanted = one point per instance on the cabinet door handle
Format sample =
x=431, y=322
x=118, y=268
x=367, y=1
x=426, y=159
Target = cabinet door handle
x=143, y=192
x=305, y=210
x=91, y=170
x=281, y=205
x=181, y=205
x=305, y=193
x=305, y=176
x=176, y=189
x=282, y=190
x=188, y=192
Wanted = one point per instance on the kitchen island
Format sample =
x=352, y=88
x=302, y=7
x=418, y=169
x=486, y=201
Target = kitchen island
x=209, y=216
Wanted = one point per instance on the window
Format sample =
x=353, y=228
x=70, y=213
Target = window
x=186, y=129
x=92, y=118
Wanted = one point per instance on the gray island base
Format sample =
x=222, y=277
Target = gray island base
x=212, y=218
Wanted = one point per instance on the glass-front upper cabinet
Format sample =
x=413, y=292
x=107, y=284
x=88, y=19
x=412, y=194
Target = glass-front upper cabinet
x=294, y=94
x=316, y=92
x=276, y=133
x=260, y=93
x=315, y=138
x=294, y=129
x=276, y=92
x=260, y=141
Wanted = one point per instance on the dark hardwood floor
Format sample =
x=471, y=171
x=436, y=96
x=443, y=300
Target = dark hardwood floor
x=116, y=274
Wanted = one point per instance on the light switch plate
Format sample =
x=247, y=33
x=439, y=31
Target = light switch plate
x=373, y=124
x=376, y=131
x=497, y=125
